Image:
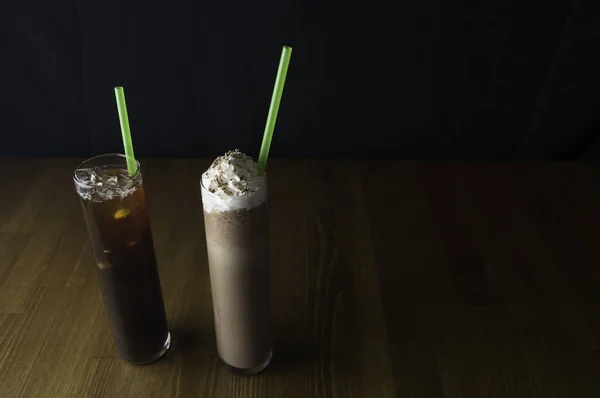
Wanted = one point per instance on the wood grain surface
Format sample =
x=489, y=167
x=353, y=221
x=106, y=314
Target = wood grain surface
x=389, y=279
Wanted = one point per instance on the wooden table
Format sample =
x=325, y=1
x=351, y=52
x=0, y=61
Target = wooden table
x=389, y=278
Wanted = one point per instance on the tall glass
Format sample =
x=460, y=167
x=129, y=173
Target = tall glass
x=238, y=259
x=114, y=206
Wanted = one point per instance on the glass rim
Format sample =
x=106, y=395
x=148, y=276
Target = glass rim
x=81, y=184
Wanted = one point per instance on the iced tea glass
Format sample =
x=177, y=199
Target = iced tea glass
x=116, y=215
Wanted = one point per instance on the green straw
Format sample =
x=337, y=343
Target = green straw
x=284, y=62
x=124, y=120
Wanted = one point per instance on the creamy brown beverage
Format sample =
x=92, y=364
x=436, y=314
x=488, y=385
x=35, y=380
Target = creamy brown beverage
x=234, y=199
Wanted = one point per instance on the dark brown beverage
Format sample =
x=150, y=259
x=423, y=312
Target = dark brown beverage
x=114, y=206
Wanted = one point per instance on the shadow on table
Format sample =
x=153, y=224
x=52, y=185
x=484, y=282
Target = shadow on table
x=289, y=355
x=188, y=341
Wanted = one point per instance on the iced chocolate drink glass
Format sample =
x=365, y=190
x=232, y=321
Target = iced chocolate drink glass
x=234, y=199
x=114, y=206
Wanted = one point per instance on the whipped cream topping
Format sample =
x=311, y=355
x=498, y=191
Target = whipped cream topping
x=232, y=183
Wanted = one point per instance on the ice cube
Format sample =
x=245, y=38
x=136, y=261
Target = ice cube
x=83, y=175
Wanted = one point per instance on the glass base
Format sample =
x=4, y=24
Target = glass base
x=246, y=372
x=155, y=357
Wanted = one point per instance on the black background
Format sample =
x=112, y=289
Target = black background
x=496, y=79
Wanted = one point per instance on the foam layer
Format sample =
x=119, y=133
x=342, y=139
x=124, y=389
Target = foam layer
x=233, y=174
x=232, y=183
x=213, y=203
